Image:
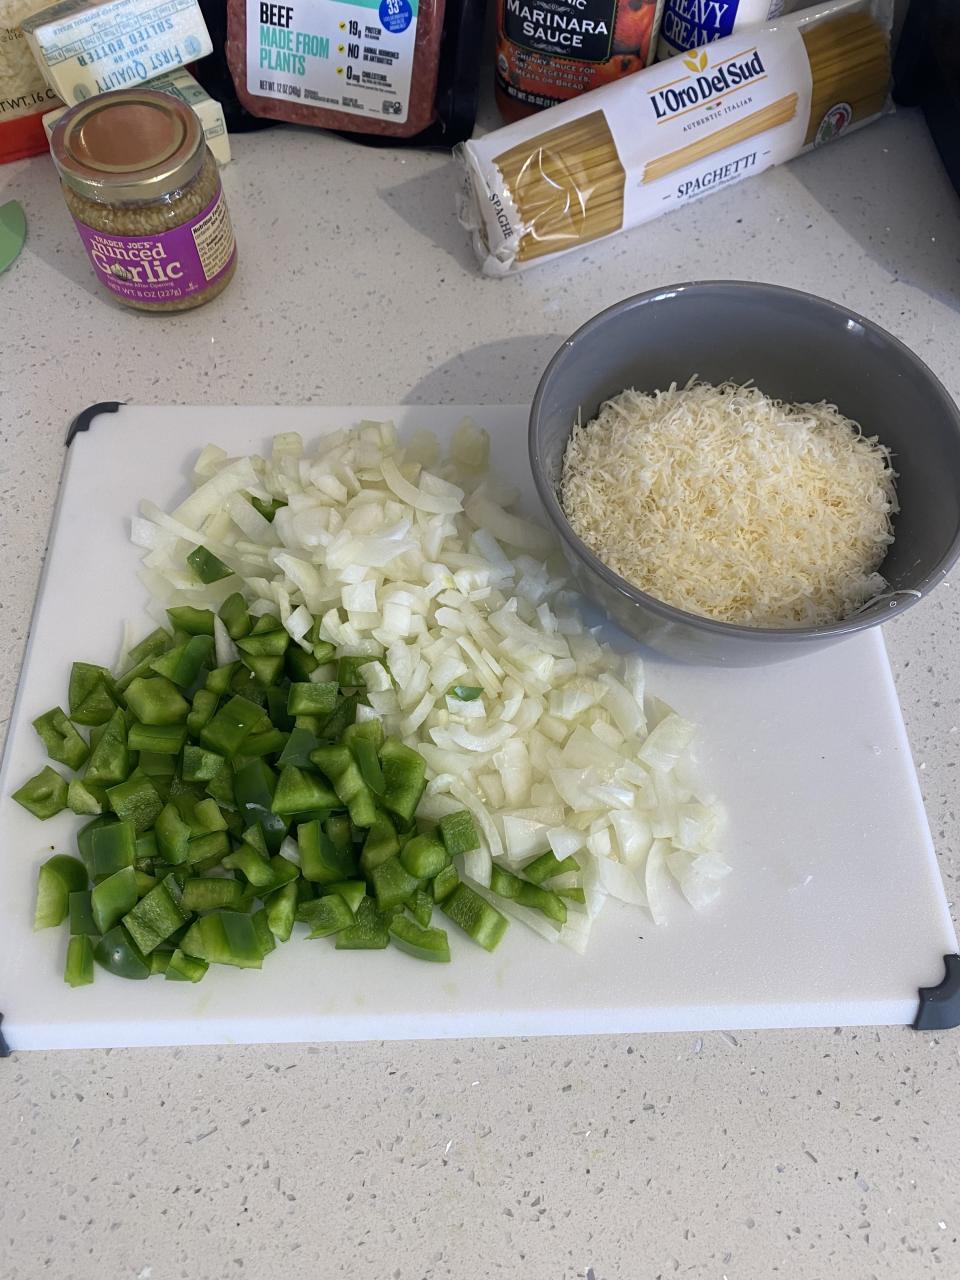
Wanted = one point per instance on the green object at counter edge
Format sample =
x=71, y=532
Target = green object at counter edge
x=13, y=233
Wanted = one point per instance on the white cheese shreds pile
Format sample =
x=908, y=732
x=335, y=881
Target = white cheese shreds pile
x=729, y=504
x=478, y=657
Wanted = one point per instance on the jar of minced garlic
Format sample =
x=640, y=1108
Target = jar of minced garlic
x=145, y=195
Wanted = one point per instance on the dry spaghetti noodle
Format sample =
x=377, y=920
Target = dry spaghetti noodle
x=621, y=155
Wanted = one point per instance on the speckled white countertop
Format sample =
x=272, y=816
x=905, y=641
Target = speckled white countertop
x=807, y=1155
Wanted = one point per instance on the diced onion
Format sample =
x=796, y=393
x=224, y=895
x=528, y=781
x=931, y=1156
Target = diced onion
x=416, y=581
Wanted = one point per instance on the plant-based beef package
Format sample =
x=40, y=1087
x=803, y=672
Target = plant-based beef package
x=398, y=71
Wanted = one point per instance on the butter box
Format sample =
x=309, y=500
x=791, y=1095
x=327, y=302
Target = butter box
x=181, y=84
x=83, y=49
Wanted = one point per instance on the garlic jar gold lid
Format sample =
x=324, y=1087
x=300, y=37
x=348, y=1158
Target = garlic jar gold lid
x=136, y=144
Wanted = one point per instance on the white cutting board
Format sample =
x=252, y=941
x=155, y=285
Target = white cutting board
x=834, y=914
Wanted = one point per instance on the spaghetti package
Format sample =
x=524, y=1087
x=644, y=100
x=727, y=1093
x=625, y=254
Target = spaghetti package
x=621, y=155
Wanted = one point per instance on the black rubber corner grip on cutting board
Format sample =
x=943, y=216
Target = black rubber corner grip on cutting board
x=940, y=1006
x=86, y=416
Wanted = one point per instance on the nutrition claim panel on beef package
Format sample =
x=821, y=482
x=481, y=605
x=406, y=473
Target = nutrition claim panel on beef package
x=349, y=56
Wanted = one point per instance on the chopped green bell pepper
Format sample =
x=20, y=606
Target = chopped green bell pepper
x=206, y=851
x=424, y=943
x=82, y=799
x=298, y=664
x=173, y=835
x=307, y=699
x=226, y=731
x=269, y=644
x=381, y=843
x=339, y=830
x=266, y=623
x=225, y=937
x=404, y=775
x=252, y=864
x=321, y=861
x=269, y=507
x=370, y=933
x=220, y=787
x=218, y=680
x=202, y=709
x=325, y=915
x=254, y=786
x=184, y=968
x=45, y=794
x=264, y=669
x=444, y=883
x=109, y=761
x=281, y=909
x=475, y=916
x=207, y=566
x=392, y=885
x=208, y=893
x=247, y=684
x=157, y=915
x=234, y=616
x=90, y=697
x=150, y=646
x=549, y=865
x=85, y=838
x=81, y=914
x=527, y=894
x=351, y=891
x=78, y=969
x=341, y=718
x=136, y=801
x=341, y=768
x=160, y=769
x=201, y=815
x=365, y=753
x=156, y=700
x=113, y=848
x=420, y=907
x=459, y=832
x=112, y=898
x=573, y=895
x=195, y=622
x=117, y=952
x=200, y=765
x=424, y=856
x=297, y=749
x=142, y=655
x=61, y=740
x=277, y=708
x=366, y=730
x=183, y=664
x=349, y=675
x=266, y=743
x=57, y=879
x=299, y=792
x=145, y=882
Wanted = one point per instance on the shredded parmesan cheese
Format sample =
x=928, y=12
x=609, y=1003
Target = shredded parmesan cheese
x=726, y=503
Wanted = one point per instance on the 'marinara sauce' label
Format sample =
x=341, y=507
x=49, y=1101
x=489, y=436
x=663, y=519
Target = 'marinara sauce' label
x=165, y=266
x=550, y=50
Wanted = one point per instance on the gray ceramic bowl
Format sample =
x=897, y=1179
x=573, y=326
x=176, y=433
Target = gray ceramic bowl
x=794, y=346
